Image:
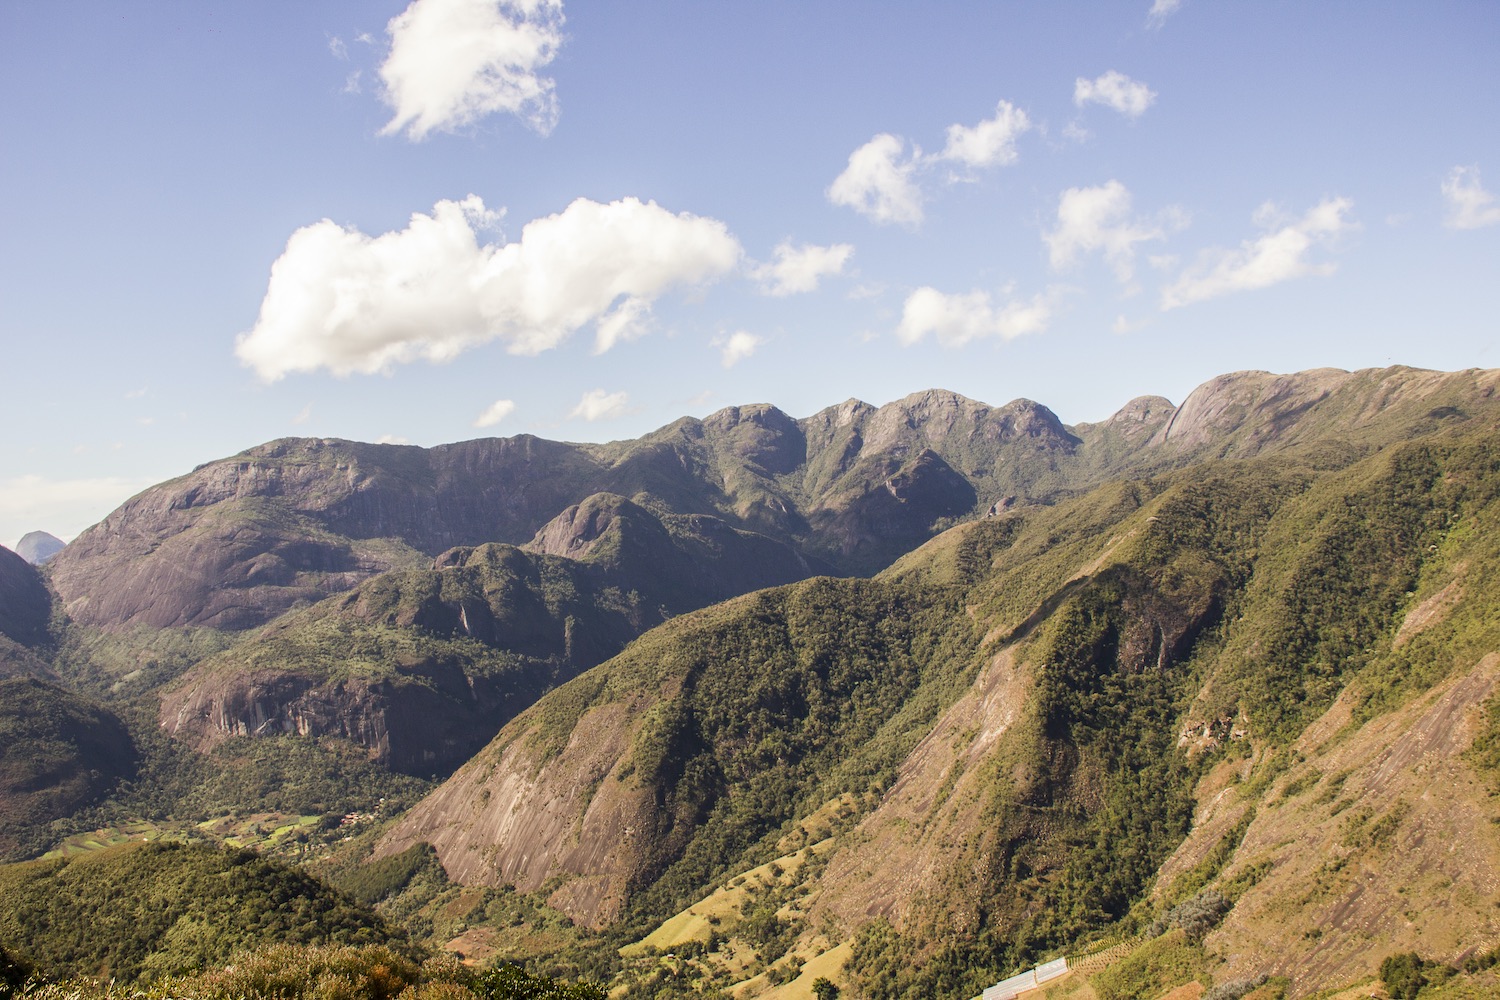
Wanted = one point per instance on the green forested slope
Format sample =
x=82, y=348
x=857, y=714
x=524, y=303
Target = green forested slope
x=1156, y=632
x=161, y=909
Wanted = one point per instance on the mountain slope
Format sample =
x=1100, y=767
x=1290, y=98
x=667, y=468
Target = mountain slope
x=1033, y=708
x=25, y=604
x=424, y=666
x=58, y=752
x=238, y=541
x=155, y=910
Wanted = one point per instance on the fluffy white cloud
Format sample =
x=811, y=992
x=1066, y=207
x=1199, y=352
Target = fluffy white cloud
x=1098, y=219
x=737, y=347
x=600, y=405
x=453, y=62
x=1160, y=11
x=956, y=319
x=1281, y=254
x=798, y=269
x=495, y=412
x=391, y=439
x=1114, y=90
x=341, y=300
x=1470, y=206
x=991, y=143
x=878, y=181
x=63, y=507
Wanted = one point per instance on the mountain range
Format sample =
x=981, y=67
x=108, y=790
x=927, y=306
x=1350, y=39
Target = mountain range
x=907, y=697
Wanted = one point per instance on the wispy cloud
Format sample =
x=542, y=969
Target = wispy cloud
x=495, y=412
x=883, y=178
x=600, y=405
x=347, y=302
x=737, y=347
x=1280, y=254
x=957, y=319
x=1470, y=206
x=1160, y=11
x=798, y=269
x=1114, y=90
x=1099, y=219
x=454, y=62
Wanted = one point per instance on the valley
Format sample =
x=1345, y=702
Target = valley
x=899, y=701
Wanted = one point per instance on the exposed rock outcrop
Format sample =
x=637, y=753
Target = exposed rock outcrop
x=37, y=547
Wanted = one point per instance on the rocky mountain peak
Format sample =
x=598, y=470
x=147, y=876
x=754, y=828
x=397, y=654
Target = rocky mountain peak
x=37, y=547
x=1229, y=402
x=576, y=531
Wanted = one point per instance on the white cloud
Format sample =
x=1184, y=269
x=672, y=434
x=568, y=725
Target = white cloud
x=303, y=415
x=600, y=405
x=881, y=180
x=737, y=347
x=453, y=62
x=798, y=269
x=495, y=412
x=878, y=183
x=627, y=321
x=1123, y=326
x=1099, y=219
x=1281, y=254
x=957, y=319
x=341, y=300
x=1114, y=90
x=63, y=507
x=337, y=48
x=391, y=439
x=1160, y=11
x=991, y=143
x=1470, y=206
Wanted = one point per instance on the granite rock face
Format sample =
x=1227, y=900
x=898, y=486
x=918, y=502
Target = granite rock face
x=37, y=547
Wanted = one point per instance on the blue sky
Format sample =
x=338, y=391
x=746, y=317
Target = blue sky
x=225, y=223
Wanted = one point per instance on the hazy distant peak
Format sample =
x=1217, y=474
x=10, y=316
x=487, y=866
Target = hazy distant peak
x=36, y=547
